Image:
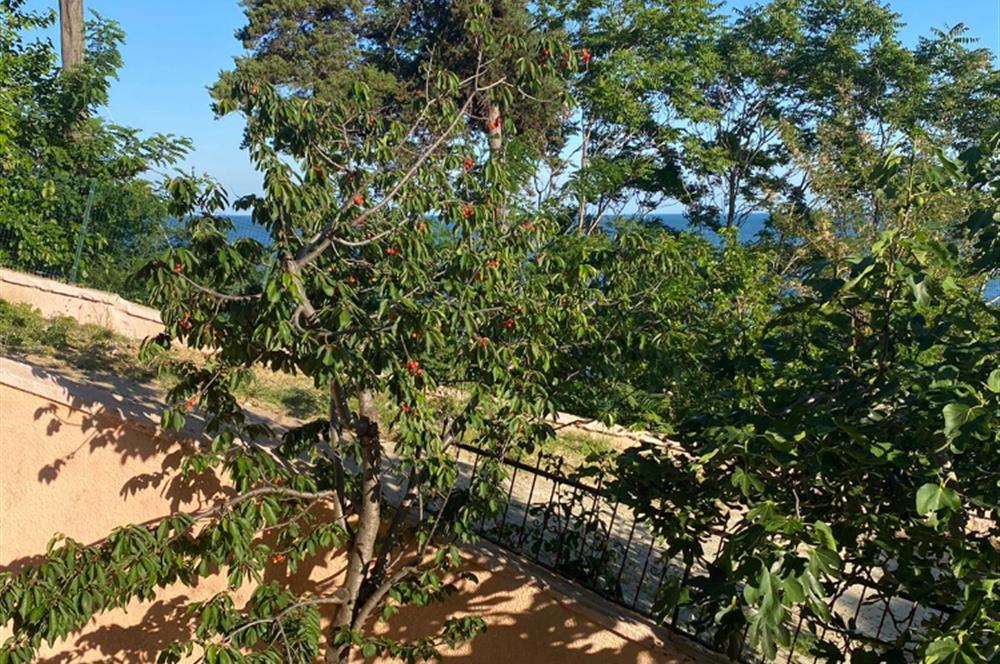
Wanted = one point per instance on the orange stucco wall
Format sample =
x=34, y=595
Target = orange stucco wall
x=78, y=461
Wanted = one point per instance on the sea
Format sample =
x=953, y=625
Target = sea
x=754, y=224
x=243, y=226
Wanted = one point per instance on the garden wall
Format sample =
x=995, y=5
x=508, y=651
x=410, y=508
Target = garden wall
x=86, y=305
x=80, y=460
x=135, y=321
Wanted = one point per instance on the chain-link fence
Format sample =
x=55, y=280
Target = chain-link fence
x=12, y=256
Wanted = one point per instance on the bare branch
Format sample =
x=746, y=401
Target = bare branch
x=216, y=294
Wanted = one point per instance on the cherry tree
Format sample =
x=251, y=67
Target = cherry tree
x=407, y=276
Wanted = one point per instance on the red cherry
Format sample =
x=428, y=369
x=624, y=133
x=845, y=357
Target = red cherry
x=277, y=558
x=190, y=404
x=483, y=342
x=413, y=368
x=468, y=163
x=468, y=211
x=392, y=251
x=358, y=199
x=253, y=88
x=493, y=263
x=178, y=268
x=352, y=280
x=585, y=56
x=509, y=323
x=405, y=408
x=546, y=52
x=421, y=226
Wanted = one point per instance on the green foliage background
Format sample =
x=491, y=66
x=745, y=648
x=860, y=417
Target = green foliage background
x=54, y=151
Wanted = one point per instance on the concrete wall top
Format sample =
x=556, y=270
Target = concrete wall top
x=86, y=305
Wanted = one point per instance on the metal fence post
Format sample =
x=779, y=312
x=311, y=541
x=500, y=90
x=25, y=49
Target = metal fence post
x=74, y=271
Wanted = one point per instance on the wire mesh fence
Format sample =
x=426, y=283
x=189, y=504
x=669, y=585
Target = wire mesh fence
x=12, y=256
x=76, y=262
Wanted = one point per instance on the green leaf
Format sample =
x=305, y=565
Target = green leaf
x=955, y=415
x=993, y=382
x=794, y=592
x=825, y=536
x=949, y=650
x=933, y=497
x=920, y=293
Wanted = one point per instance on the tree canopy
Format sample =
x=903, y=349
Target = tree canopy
x=398, y=266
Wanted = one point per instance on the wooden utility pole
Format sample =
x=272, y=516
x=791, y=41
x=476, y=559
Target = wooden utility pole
x=71, y=32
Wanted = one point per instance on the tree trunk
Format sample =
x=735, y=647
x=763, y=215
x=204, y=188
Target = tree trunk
x=731, y=196
x=71, y=33
x=582, y=209
x=369, y=520
x=339, y=418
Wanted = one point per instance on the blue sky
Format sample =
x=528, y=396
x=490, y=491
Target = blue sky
x=174, y=49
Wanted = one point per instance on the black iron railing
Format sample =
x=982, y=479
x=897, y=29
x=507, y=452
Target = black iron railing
x=568, y=523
